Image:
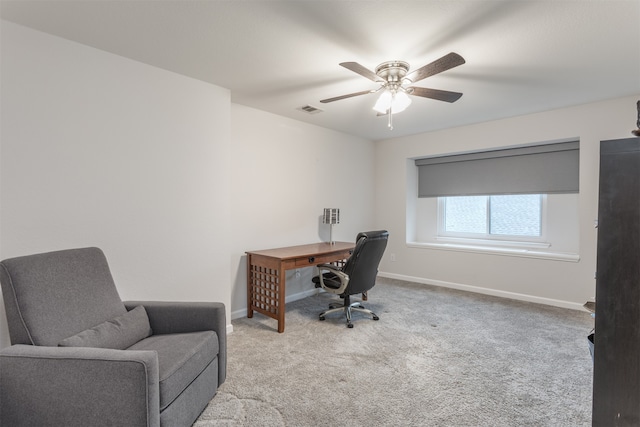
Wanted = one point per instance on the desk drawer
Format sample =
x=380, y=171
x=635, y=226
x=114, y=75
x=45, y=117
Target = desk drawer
x=321, y=259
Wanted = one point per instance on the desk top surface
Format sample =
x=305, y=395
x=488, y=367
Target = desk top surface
x=313, y=249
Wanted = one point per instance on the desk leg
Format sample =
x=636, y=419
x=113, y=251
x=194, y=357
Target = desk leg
x=249, y=287
x=265, y=288
x=282, y=273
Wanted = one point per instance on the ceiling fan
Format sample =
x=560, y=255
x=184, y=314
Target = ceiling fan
x=393, y=78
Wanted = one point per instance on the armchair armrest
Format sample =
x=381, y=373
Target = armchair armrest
x=181, y=317
x=342, y=277
x=78, y=386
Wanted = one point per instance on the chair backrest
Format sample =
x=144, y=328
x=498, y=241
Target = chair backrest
x=362, y=265
x=51, y=296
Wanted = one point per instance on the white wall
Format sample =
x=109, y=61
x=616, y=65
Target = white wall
x=99, y=150
x=163, y=173
x=283, y=174
x=560, y=283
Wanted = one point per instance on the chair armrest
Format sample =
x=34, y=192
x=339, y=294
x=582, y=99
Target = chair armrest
x=344, y=278
x=332, y=267
x=78, y=386
x=181, y=317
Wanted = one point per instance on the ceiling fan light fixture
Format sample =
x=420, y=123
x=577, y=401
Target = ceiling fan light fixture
x=392, y=102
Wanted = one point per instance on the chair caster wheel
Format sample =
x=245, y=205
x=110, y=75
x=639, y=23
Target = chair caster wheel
x=376, y=318
x=321, y=317
x=349, y=325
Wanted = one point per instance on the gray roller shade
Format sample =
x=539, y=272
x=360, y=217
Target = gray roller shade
x=539, y=169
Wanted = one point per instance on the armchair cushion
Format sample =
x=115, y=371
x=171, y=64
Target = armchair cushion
x=179, y=317
x=119, y=333
x=181, y=359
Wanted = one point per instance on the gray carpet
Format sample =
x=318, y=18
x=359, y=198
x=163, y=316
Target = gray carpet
x=436, y=357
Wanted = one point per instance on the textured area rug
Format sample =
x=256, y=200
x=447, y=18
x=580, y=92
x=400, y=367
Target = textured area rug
x=436, y=357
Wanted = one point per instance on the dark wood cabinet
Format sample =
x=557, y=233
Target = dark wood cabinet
x=616, y=375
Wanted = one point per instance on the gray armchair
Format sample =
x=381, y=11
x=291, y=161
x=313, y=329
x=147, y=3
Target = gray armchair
x=82, y=357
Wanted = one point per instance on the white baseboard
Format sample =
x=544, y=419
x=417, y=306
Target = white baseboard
x=486, y=291
x=289, y=298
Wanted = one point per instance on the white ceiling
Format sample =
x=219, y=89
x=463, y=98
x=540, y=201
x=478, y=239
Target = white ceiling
x=521, y=56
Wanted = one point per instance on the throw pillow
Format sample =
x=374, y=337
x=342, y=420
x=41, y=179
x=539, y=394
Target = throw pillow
x=119, y=333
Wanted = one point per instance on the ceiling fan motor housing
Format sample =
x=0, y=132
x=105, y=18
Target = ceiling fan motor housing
x=392, y=72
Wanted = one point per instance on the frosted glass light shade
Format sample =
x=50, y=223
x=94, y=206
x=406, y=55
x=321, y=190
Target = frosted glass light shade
x=397, y=102
x=400, y=102
x=384, y=102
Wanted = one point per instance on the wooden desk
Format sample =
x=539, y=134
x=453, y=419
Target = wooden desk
x=266, y=273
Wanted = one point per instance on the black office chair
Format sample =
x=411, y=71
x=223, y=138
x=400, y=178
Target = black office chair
x=357, y=276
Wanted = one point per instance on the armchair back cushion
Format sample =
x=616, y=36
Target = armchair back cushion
x=52, y=296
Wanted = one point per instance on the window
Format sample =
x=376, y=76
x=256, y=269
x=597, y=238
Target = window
x=516, y=201
x=512, y=217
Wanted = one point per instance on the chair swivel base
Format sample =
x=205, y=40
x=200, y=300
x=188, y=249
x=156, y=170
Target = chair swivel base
x=347, y=309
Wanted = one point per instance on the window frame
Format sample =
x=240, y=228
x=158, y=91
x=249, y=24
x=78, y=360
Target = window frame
x=487, y=239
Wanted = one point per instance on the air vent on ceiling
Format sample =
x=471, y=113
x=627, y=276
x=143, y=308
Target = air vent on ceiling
x=310, y=109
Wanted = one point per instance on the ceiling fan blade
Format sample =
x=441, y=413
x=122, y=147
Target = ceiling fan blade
x=365, y=72
x=440, y=95
x=445, y=63
x=338, y=98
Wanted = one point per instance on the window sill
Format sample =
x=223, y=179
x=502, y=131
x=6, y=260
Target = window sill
x=486, y=243
x=523, y=253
